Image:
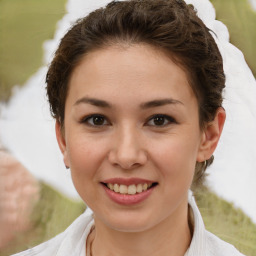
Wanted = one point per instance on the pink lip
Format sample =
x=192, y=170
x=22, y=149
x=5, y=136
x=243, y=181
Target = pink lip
x=127, y=182
x=125, y=199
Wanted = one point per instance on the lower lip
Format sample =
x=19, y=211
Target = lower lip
x=126, y=199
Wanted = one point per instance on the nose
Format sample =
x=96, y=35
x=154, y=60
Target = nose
x=127, y=149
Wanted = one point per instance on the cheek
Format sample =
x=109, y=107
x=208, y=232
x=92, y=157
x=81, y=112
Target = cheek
x=175, y=159
x=85, y=157
x=85, y=161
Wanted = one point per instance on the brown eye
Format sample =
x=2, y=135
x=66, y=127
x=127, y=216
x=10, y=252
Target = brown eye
x=160, y=120
x=96, y=120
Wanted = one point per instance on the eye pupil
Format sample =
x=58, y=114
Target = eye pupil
x=159, y=120
x=98, y=120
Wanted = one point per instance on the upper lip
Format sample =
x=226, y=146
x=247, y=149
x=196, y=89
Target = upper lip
x=128, y=181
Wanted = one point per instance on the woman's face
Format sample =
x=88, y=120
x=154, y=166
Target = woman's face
x=131, y=119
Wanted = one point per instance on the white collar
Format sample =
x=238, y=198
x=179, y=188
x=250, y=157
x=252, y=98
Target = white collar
x=80, y=229
x=198, y=243
x=72, y=241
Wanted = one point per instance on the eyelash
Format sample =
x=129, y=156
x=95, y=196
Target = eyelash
x=167, y=120
x=90, y=117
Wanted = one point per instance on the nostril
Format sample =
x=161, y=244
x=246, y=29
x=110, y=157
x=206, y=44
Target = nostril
x=127, y=161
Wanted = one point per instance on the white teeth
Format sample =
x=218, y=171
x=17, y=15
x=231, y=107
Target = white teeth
x=130, y=190
x=123, y=189
x=116, y=188
x=110, y=186
x=139, y=188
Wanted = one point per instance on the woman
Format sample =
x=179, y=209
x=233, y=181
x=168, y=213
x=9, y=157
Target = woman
x=136, y=91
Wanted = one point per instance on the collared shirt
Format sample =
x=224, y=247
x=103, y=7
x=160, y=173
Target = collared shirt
x=72, y=241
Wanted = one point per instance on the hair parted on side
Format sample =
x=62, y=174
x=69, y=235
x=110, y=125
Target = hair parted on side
x=169, y=25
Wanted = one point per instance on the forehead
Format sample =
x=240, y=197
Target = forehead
x=130, y=69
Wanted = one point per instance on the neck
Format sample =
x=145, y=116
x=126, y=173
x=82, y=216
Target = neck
x=171, y=237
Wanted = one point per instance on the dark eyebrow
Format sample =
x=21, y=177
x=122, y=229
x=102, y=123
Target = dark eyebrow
x=149, y=104
x=92, y=101
x=159, y=103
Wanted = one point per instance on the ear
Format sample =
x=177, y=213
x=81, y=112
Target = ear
x=62, y=143
x=211, y=135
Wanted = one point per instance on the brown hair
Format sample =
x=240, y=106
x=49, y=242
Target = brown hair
x=169, y=25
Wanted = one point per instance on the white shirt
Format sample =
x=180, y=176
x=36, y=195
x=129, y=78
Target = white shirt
x=72, y=241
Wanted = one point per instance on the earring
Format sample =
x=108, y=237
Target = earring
x=204, y=165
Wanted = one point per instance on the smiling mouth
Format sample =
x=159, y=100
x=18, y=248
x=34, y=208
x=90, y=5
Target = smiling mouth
x=130, y=189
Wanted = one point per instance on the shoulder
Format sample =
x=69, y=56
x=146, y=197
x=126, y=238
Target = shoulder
x=69, y=242
x=216, y=246
x=203, y=242
x=47, y=248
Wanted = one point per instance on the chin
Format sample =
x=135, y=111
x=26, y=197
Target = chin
x=132, y=228
x=130, y=223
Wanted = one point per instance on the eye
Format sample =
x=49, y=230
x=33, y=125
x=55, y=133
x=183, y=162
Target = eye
x=95, y=120
x=160, y=120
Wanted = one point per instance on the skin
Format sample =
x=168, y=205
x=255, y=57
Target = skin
x=129, y=142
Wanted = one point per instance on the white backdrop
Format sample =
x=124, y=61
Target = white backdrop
x=27, y=129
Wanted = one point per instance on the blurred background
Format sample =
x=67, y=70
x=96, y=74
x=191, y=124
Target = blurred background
x=27, y=30
x=26, y=24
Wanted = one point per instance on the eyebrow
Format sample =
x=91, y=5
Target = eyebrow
x=93, y=101
x=159, y=103
x=149, y=104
